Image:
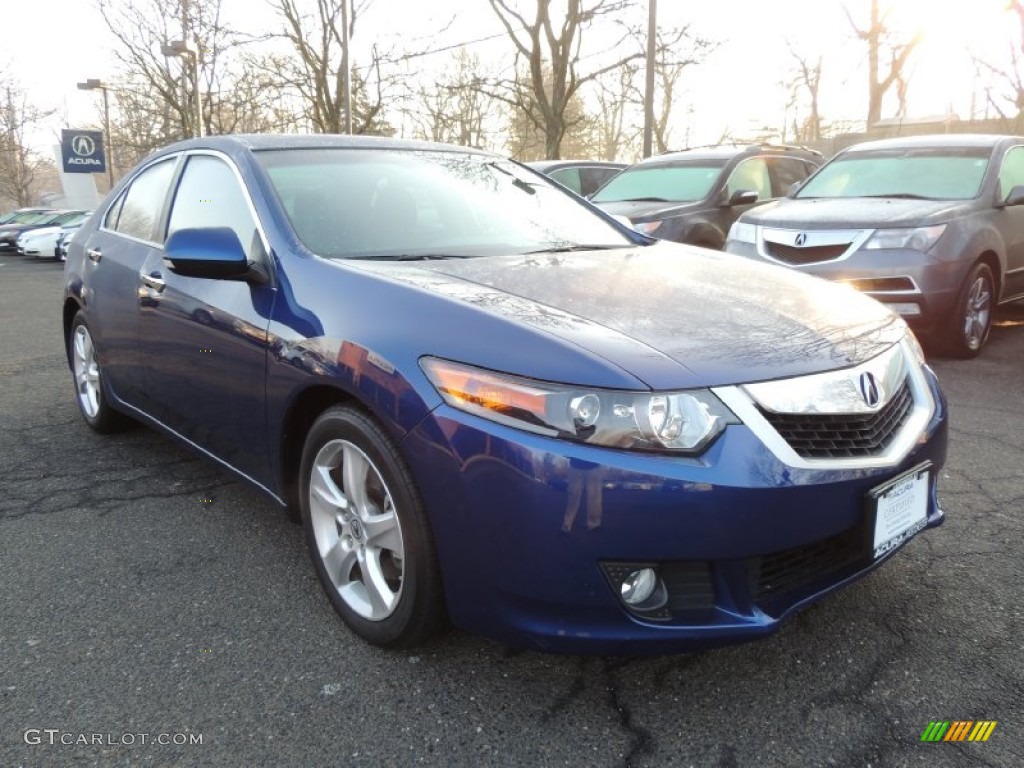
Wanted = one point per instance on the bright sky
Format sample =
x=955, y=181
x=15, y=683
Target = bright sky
x=49, y=45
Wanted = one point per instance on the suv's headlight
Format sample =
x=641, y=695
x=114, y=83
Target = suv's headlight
x=915, y=239
x=742, y=232
x=648, y=227
x=670, y=422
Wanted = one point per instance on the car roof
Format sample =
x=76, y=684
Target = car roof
x=937, y=140
x=548, y=165
x=726, y=152
x=268, y=141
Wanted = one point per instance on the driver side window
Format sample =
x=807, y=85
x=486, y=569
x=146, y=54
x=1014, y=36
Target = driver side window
x=750, y=174
x=1012, y=172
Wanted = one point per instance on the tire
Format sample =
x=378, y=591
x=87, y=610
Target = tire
x=88, y=380
x=971, y=321
x=367, y=532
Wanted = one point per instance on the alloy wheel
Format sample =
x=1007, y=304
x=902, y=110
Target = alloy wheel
x=87, y=372
x=357, y=530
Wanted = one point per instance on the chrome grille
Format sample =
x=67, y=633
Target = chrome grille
x=830, y=436
x=792, y=254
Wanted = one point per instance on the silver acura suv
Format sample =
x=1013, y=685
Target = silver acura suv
x=932, y=226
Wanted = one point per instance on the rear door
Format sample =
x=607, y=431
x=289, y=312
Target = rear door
x=204, y=340
x=115, y=252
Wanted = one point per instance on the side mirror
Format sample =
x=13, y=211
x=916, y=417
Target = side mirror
x=213, y=252
x=743, y=197
x=794, y=188
x=1016, y=197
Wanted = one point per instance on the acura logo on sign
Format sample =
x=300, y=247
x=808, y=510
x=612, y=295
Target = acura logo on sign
x=800, y=239
x=870, y=390
x=83, y=146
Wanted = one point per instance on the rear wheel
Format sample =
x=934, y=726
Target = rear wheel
x=971, y=321
x=367, y=532
x=85, y=369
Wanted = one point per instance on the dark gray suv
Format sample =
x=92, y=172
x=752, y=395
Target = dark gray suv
x=933, y=226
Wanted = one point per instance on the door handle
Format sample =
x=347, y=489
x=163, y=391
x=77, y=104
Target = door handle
x=153, y=281
x=94, y=254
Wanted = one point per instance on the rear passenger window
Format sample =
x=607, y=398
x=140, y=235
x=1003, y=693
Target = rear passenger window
x=788, y=171
x=145, y=201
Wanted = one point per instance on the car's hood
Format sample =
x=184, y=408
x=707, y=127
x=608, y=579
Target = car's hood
x=48, y=231
x=855, y=213
x=722, y=319
x=644, y=209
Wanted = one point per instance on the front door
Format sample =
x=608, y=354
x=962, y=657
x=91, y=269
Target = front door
x=203, y=341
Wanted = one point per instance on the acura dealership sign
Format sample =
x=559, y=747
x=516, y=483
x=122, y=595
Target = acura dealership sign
x=82, y=151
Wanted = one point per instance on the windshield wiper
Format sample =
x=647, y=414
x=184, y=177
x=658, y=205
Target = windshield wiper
x=640, y=200
x=903, y=196
x=415, y=257
x=571, y=248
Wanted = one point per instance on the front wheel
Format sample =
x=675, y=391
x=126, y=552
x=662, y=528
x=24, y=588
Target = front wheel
x=367, y=532
x=971, y=321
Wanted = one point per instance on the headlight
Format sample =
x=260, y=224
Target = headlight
x=668, y=422
x=916, y=239
x=648, y=227
x=742, y=232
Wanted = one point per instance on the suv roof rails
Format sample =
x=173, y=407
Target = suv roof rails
x=744, y=145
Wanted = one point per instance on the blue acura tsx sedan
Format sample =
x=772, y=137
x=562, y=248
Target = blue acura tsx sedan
x=490, y=403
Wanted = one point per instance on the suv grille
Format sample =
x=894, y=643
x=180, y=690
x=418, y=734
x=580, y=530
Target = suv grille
x=832, y=436
x=793, y=255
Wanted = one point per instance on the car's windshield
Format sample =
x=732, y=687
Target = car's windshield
x=678, y=183
x=946, y=173
x=389, y=204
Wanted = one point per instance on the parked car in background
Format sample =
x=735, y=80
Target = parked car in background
x=695, y=195
x=584, y=177
x=43, y=242
x=21, y=214
x=9, y=233
x=933, y=226
x=485, y=398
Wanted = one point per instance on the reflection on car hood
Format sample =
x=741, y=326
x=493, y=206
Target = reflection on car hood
x=723, y=318
x=856, y=213
x=642, y=209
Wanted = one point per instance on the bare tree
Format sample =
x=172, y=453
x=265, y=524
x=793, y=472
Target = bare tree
x=551, y=50
x=455, y=109
x=617, y=131
x=807, y=78
x=316, y=70
x=1008, y=77
x=881, y=42
x=676, y=50
x=21, y=168
x=143, y=27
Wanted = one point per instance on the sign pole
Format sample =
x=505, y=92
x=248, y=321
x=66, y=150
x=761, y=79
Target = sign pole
x=110, y=143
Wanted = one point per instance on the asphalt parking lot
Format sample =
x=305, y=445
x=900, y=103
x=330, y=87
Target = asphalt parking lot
x=146, y=593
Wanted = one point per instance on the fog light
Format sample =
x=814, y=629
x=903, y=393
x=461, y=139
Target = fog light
x=904, y=308
x=638, y=586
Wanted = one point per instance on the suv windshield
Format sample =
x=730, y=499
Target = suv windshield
x=946, y=173
x=403, y=204
x=677, y=183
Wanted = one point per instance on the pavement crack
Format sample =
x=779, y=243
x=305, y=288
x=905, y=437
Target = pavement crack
x=642, y=743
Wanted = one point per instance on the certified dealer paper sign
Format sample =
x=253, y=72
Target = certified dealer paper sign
x=82, y=151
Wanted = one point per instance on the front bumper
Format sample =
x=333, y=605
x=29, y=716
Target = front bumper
x=931, y=288
x=524, y=523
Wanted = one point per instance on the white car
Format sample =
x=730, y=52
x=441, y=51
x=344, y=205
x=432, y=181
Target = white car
x=44, y=241
x=39, y=242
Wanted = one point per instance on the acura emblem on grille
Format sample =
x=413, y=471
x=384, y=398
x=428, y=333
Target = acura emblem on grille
x=800, y=239
x=870, y=389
